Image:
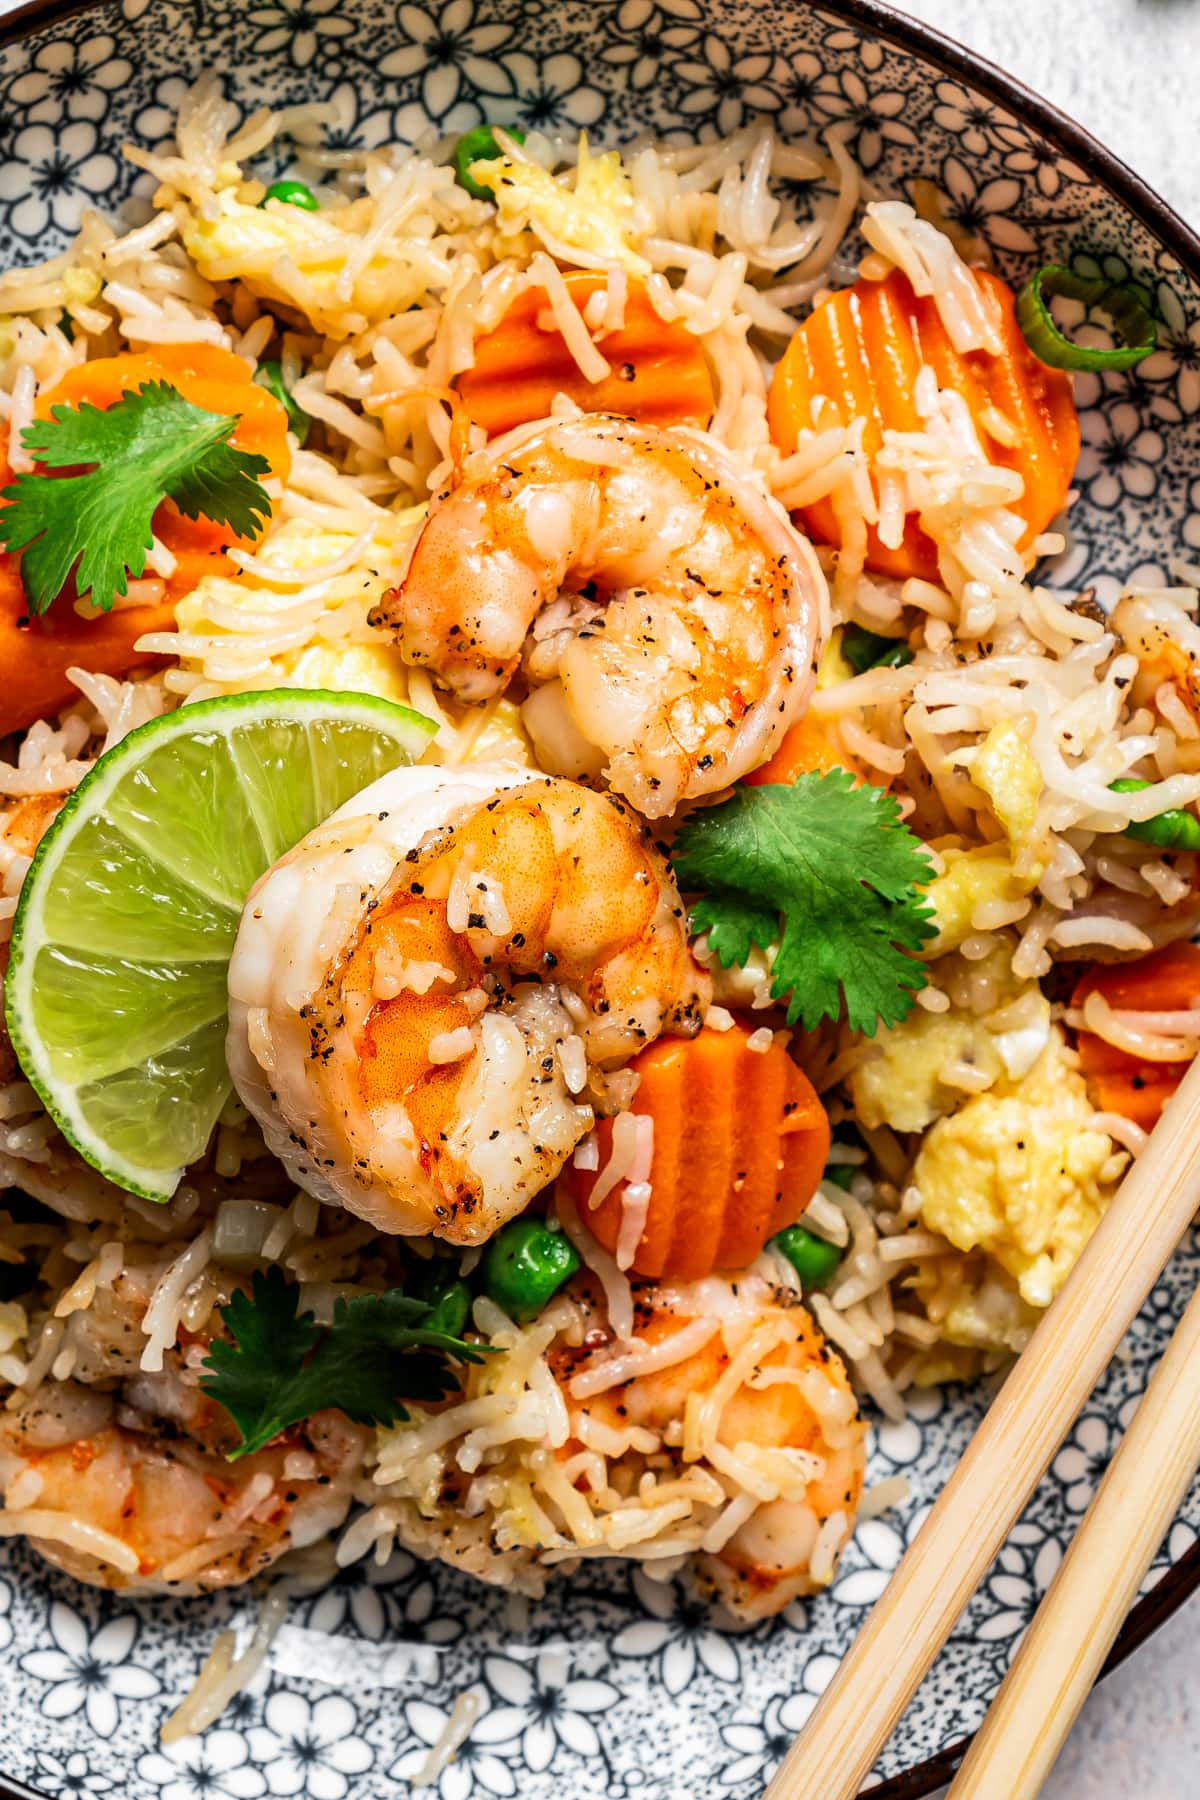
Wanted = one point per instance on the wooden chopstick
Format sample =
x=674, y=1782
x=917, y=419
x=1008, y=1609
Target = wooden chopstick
x=1096, y=1584
x=1003, y=1463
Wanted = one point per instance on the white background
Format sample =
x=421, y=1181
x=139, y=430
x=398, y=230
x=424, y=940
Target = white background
x=1129, y=70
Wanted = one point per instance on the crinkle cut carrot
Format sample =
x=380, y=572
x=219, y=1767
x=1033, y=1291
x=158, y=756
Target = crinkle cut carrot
x=658, y=372
x=1138, y=1088
x=35, y=653
x=860, y=352
x=805, y=750
x=740, y=1141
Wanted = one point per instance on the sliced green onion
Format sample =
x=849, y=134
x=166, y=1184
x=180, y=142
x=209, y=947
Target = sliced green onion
x=292, y=193
x=1175, y=829
x=269, y=375
x=480, y=145
x=1121, y=302
x=865, y=650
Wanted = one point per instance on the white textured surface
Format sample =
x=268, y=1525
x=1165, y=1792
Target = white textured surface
x=1128, y=70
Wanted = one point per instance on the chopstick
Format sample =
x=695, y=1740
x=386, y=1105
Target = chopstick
x=1005, y=1459
x=1095, y=1585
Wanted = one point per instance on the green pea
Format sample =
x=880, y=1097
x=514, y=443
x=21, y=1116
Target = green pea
x=450, y=1310
x=292, y=193
x=524, y=1266
x=1175, y=829
x=841, y=1175
x=812, y=1258
x=480, y=145
x=864, y=650
x=269, y=375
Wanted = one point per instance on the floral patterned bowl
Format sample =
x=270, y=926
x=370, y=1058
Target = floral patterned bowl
x=615, y=1686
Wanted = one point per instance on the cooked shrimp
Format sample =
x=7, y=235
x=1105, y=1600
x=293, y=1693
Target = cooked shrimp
x=701, y=644
x=762, y=1401
x=133, y=1508
x=119, y=1475
x=430, y=994
x=719, y=1429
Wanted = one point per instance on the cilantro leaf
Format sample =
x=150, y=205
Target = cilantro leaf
x=825, y=870
x=149, y=446
x=282, y=1366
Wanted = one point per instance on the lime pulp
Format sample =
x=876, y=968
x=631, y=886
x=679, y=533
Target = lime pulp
x=115, y=995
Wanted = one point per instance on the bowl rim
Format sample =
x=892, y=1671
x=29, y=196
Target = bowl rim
x=1182, y=242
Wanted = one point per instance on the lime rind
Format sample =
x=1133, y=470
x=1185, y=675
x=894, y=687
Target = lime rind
x=115, y=994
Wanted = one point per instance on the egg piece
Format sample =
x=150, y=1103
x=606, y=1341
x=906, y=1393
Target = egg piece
x=970, y=879
x=1004, y=767
x=907, y=1079
x=901, y=1083
x=1021, y=1174
x=310, y=260
x=598, y=215
x=297, y=615
x=981, y=1317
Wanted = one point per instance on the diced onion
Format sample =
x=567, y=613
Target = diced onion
x=242, y=1228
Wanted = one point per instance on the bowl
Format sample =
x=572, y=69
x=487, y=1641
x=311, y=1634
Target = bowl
x=613, y=1686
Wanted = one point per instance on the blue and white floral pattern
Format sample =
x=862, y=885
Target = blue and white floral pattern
x=615, y=1687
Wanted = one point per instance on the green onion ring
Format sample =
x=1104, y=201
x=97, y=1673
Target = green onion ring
x=1123, y=305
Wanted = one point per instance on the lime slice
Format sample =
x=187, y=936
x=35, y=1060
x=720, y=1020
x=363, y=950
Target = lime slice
x=116, y=983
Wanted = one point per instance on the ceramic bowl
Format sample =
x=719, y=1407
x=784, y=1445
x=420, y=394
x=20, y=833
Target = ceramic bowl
x=613, y=1686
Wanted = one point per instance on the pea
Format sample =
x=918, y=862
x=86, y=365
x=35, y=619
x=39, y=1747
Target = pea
x=451, y=1309
x=479, y=145
x=292, y=193
x=269, y=375
x=841, y=1175
x=1175, y=829
x=868, y=650
x=812, y=1258
x=524, y=1265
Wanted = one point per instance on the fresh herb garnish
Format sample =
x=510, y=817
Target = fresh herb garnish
x=828, y=872
x=282, y=1366
x=148, y=446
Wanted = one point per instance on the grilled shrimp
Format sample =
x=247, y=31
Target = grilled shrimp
x=119, y=1475
x=700, y=645
x=763, y=1402
x=430, y=994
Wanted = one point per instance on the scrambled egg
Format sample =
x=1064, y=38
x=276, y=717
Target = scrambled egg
x=968, y=879
x=1019, y=1174
x=833, y=668
x=1004, y=767
x=308, y=260
x=901, y=1083
x=225, y=621
x=599, y=215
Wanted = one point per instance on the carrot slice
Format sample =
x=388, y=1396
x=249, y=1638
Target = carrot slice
x=805, y=750
x=659, y=374
x=860, y=352
x=740, y=1140
x=1137, y=1087
x=36, y=652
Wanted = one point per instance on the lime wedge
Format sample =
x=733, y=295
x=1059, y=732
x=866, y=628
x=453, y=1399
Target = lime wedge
x=115, y=993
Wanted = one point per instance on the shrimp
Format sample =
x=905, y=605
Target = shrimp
x=433, y=995
x=763, y=1383
x=719, y=1431
x=700, y=646
x=120, y=1476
